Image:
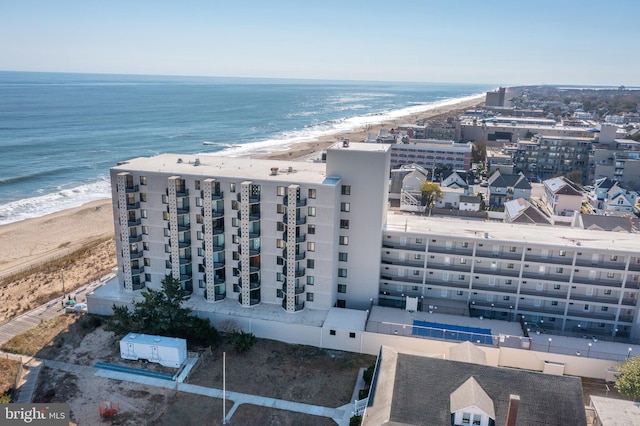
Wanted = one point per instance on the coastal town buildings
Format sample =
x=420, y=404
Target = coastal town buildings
x=432, y=154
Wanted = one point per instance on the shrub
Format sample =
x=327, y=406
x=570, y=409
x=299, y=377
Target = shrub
x=243, y=341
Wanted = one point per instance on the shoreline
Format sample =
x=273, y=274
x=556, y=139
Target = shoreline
x=37, y=240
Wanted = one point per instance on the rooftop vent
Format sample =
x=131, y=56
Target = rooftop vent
x=345, y=143
x=274, y=171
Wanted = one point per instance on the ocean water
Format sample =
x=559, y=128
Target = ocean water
x=60, y=133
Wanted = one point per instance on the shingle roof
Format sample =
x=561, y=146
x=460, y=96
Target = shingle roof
x=521, y=211
x=504, y=181
x=419, y=392
x=471, y=393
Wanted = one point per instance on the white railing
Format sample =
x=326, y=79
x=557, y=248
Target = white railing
x=359, y=406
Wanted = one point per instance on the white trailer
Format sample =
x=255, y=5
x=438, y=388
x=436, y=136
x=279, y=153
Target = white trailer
x=167, y=351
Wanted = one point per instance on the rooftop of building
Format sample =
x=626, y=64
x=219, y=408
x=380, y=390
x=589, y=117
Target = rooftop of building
x=511, y=232
x=612, y=412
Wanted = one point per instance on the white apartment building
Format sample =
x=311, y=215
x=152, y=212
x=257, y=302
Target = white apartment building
x=431, y=154
x=299, y=235
x=297, y=239
x=554, y=278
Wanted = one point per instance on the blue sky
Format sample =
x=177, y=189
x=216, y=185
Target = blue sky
x=492, y=41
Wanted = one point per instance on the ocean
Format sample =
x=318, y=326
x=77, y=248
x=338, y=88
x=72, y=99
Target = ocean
x=60, y=133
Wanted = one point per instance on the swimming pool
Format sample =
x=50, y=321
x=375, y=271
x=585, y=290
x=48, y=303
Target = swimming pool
x=460, y=333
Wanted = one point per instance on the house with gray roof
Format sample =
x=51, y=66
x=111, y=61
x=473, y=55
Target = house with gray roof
x=417, y=389
x=561, y=196
x=522, y=211
x=503, y=188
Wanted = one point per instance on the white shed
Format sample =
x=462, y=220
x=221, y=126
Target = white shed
x=166, y=351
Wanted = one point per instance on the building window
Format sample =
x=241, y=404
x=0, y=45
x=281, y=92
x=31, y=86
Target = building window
x=232, y=187
x=342, y=288
x=332, y=332
x=311, y=229
x=461, y=277
x=352, y=335
x=311, y=246
x=202, y=284
x=610, y=274
x=143, y=180
x=418, y=240
x=346, y=189
x=613, y=258
x=562, y=253
x=280, y=243
x=280, y=277
x=477, y=418
x=280, y=227
x=510, y=265
x=199, y=218
x=165, y=199
x=512, y=249
x=343, y=257
x=279, y=294
x=416, y=272
x=345, y=207
x=465, y=244
x=280, y=191
x=234, y=205
x=559, y=270
x=344, y=223
x=309, y=297
x=508, y=282
x=280, y=209
x=198, y=201
x=196, y=184
x=506, y=297
x=604, y=308
x=311, y=263
x=463, y=261
x=143, y=213
x=145, y=246
x=143, y=197
x=310, y=280
x=556, y=286
x=607, y=291
x=235, y=239
x=460, y=292
x=312, y=193
x=586, y=307
x=466, y=418
x=145, y=230
x=554, y=303
x=235, y=222
x=344, y=240
x=342, y=272
x=311, y=211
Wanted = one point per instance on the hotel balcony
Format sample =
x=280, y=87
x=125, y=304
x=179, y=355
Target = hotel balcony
x=183, y=209
x=580, y=315
x=297, y=306
x=549, y=294
x=252, y=216
x=299, y=238
x=131, y=189
x=408, y=279
x=135, y=238
x=138, y=285
x=216, y=213
x=407, y=262
x=133, y=206
x=634, y=266
x=180, y=191
x=216, y=296
x=299, y=255
x=218, y=247
x=136, y=254
x=299, y=220
x=252, y=198
x=252, y=300
x=500, y=255
x=217, y=195
x=297, y=289
x=252, y=252
x=300, y=202
x=632, y=284
x=253, y=283
x=185, y=260
x=619, y=266
x=137, y=271
x=397, y=245
x=456, y=251
x=494, y=288
x=595, y=299
x=617, y=283
x=299, y=272
x=501, y=272
x=531, y=310
x=449, y=267
x=561, y=278
x=218, y=230
x=556, y=260
x=182, y=243
x=252, y=234
x=252, y=268
x=135, y=222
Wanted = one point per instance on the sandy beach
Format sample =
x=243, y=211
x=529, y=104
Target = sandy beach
x=33, y=242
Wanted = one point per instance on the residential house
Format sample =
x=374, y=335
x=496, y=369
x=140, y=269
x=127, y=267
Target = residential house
x=502, y=188
x=561, y=196
x=522, y=211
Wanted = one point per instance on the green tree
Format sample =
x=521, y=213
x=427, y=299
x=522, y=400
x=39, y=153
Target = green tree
x=431, y=193
x=243, y=341
x=479, y=152
x=628, y=383
x=575, y=176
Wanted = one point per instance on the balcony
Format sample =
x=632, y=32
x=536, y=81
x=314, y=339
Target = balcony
x=449, y=267
x=634, y=265
x=218, y=247
x=252, y=216
x=594, y=299
x=252, y=234
x=216, y=296
x=133, y=206
x=138, y=286
x=397, y=245
x=464, y=285
x=498, y=255
x=183, y=243
x=252, y=252
x=252, y=268
x=300, y=202
x=137, y=271
x=135, y=238
x=406, y=262
x=298, y=256
x=253, y=284
x=252, y=300
x=217, y=195
x=632, y=284
x=599, y=282
x=134, y=222
x=591, y=315
x=183, y=209
x=299, y=272
x=619, y=266
x=299, y=238
x=253, y=198
x=136, y=254
x=526, y=309
x=404, y=279
x=556, y=260
x=299, y=220
x=131, y=189
x=543, y=293
x=297, y=306
x=547, y=277
x=218, y=230
x=185, y=260
x=456, y=251
x=502, y=272
x=217, y=213
x=494, y=288
x=297, y=289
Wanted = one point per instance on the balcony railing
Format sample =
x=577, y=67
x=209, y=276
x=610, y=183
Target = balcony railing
x=131, y=188
x=406, y=262
x=252, y=252
x=502, y=272
x=297, y=307
x=299, y=255
x=495, y=288
x=217, y=195
x=559, y=260
x=133, y=206
x=600, y=264
x=299, y=238
x=456, y=251
x=594, y=299
x=397, y=245
x=135, y=238
x=543, y=293
x=297, y=289
x=253, y=198
x=137, y=271
x=299, y=220
x=215, y=213
x=300, y=202
x=136, y=254
x=500, y=255
x=445, y=267
x=403, y=279
x=598, y=282
x=547, y=277
x=134, y=222
x=252, y=300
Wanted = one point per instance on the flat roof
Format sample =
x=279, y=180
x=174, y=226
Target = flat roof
x=512, y=232
x=345, y=319
x=148, y=339
x=228, y=167
x=612, y=412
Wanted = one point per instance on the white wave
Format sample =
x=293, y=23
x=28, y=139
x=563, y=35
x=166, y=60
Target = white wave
x=54, y=202
x=332, y=127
